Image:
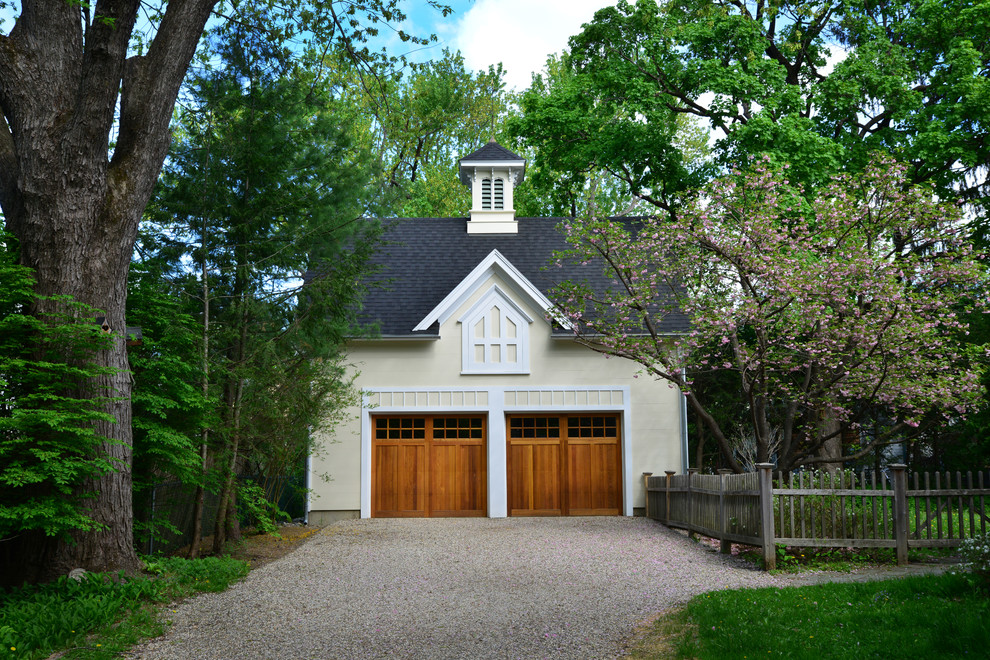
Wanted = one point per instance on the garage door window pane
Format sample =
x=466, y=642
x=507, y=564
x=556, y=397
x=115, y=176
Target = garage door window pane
x=463, y=428
x=400, y=428
x=534, y=427
x=592, y=427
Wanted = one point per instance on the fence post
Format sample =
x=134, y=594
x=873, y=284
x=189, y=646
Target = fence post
x=669, y=474
x=690, y=502
x=725, y=547
x=900, y=512
x=766, y=516
x=646, y=485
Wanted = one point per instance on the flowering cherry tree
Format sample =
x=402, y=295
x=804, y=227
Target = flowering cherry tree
x=826, y=307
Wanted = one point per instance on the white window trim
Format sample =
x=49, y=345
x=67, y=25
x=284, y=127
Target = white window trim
x=496, y=408
x=509, y=310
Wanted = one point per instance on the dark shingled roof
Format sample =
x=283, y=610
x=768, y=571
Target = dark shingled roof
x=491, y=151
x=424, y=259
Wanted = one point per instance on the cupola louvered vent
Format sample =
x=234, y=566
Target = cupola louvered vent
x=492, y=172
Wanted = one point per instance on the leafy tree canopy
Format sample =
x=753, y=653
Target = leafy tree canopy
x=819, y=86
x=832, y=306
x=259, y=222
x=87, y=92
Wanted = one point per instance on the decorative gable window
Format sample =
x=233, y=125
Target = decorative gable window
x=492, y=197
x=495, y=336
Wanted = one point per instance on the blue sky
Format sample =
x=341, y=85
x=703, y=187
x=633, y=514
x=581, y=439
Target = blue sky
x=518, y=33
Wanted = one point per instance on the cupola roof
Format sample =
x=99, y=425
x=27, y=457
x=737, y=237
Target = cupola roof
x=491, y=155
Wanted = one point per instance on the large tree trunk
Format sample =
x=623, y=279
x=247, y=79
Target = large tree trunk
x=75, y=209
x=699, y=458
x=831, y=448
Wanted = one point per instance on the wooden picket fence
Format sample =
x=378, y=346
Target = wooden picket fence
x=817, y=509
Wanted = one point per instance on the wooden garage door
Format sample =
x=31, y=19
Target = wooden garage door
x=428, y=467
x=562, y=465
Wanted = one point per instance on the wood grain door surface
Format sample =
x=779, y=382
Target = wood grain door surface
x=560, y=465
x=428, y=466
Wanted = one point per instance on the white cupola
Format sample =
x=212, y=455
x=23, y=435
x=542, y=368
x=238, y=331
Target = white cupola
x=492, y=173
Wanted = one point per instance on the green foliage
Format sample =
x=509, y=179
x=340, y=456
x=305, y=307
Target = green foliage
x=48, y=447
x=797, y=559
x=597, y=148
x=206, y=574
x=258, y=509
x=419, y=124
x=168, y=405
x=817, y=85
x=39, y=619
x=258, y=231
x=976, y=552
x=930, y=616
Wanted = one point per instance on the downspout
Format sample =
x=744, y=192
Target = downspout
x=684, y=426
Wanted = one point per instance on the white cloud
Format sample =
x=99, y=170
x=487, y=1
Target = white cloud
x=518, y=33
x=836, y=54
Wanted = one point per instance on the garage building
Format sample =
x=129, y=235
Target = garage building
x=477, y=399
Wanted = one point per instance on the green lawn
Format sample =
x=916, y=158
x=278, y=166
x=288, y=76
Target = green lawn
x=941, y=616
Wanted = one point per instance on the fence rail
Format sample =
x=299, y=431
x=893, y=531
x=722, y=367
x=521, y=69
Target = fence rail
x=839, y=509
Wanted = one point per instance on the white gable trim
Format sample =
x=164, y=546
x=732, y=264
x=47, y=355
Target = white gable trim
x=495, y=294
x=469, y=342
x=494, y=263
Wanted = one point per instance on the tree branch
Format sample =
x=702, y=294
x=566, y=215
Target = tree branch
x=150, y=86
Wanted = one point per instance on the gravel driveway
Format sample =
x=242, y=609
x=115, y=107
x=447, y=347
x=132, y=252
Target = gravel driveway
x=454, y=588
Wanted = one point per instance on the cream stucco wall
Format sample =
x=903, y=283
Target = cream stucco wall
x=429, y=374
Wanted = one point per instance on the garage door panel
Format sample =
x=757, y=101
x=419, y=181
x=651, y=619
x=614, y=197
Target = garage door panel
x=534, y=479
x=400, y=487
x=459, y=478
x=594, y=478
x=581, y=468
x=429, y=466
x=579, y=476
x=608, y=496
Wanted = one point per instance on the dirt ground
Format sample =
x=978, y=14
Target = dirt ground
x=260, y=549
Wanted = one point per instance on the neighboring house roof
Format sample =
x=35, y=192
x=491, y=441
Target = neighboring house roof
x=423, y=260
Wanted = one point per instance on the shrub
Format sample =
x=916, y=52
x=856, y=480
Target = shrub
x=976, y=552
